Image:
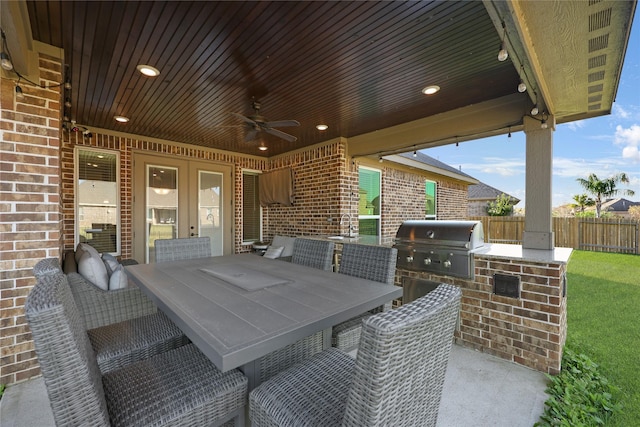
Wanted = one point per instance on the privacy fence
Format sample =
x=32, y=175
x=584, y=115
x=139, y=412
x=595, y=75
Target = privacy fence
x=590, y=234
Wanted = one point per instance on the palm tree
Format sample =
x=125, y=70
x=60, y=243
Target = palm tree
x=582, y=201
x=604, y=188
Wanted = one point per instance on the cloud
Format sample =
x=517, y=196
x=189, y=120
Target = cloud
x=497, y=166
x=629, y=138
x=620, y=112
x=578, y=124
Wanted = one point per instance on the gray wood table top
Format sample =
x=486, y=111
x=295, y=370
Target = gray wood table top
x=238, y=308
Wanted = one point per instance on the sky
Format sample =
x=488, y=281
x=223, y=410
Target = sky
x=603, y=145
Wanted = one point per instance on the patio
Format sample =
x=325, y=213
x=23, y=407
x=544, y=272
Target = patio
x=479, y=389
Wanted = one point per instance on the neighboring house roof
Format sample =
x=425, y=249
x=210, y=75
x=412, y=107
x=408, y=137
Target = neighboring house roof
x=618, y=205
x=482, y=191
x=427, y=163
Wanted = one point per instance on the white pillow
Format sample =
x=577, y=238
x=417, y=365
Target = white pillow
x=118, y=279
x=92, y=268
x=273, y=252
x=110, y=262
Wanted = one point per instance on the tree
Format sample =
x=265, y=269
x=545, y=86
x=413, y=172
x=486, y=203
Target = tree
x=604, y=188
x=634, y=212
x=582, y=201
x=501, y=206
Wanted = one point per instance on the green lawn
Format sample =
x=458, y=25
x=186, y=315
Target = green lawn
x=603, y=315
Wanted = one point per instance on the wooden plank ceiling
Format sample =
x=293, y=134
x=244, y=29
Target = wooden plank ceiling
x=355, y=66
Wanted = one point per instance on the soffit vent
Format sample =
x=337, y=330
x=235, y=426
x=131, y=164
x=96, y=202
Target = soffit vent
x=600, y=20
x=594, y=107
x=595, y=98
x=594, y=77
x=598, y=43
x=597, y=61
x=596, y=88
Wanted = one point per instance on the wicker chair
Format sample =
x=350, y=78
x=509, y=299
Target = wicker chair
x=176, y=388
x=117, y=343
x=177, y=249
x=313, y=253
x=395, y=380
x=376, y=263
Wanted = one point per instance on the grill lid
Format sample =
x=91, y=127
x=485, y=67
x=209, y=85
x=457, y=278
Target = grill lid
x=460, y=234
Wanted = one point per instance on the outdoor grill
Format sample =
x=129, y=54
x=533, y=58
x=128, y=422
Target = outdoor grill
x=440, y=247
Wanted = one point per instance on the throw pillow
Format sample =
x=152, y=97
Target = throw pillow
x=92, y=268
x=273, y=252
x=110, y=262
x=118, y=279
x=85, y=247
x=286, y=243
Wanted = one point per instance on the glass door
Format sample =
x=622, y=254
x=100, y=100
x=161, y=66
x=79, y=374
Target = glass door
x=181, y=199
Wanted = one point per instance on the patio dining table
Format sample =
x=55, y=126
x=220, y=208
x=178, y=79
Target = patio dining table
x=238, y=308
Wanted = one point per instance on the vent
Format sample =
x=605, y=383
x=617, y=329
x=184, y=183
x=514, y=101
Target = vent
x=598, y=61
x=600, y=20
x=594, y=107
x=594, y=77
x=598, y=43
x=596, y=88
x=506, y=285
x=595, y=98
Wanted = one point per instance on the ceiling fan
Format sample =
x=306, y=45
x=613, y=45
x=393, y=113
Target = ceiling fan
x=257, y=123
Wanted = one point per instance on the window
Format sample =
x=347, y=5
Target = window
x=430, y=199
x=369, y=204
x=98, y=200
x=251, y=211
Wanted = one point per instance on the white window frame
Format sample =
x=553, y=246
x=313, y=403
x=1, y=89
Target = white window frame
x=244, y=173
x=76, y=190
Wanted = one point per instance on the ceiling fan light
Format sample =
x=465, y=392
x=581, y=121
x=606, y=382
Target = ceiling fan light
x=322, y=127
x=148, y=70
x=121, y=119
x=430, y=90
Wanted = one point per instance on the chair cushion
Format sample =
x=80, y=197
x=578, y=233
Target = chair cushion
x=179, y=387
x=273, y=252
x=313, y=392
x=123, y=343
x=286, y=243
x=118, y=279
x=91, y=267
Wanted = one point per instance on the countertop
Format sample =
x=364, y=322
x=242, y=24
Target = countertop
x=498, y=250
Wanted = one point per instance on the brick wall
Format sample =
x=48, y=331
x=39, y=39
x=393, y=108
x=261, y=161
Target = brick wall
x=530, y=330
x=30, y=214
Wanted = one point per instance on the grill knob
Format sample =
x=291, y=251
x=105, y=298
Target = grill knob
x=427, y=261
x=409, y=258
x=447, y=264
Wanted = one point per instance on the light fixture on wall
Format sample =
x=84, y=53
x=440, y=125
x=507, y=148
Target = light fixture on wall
x=6, y=61
x=502, y=53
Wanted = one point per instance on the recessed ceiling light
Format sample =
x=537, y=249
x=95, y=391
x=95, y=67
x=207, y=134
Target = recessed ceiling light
x=430, y=90
x=121, y=119
x=322, y=127
x=148, y=70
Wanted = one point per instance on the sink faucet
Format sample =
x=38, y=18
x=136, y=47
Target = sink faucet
x=351, y=233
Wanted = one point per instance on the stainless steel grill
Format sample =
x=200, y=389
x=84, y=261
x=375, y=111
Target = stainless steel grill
x=441, y=247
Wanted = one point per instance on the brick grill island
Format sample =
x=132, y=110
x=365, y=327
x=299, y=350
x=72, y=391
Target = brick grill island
x=515, y=305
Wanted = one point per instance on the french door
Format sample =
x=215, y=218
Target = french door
x=178, y=199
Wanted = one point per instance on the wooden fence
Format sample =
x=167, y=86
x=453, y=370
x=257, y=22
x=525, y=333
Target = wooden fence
x=590, y=234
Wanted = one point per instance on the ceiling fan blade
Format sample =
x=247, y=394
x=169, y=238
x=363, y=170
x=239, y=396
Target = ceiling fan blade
x=244, y=118
x=251, y=135
x=282, y=123
x=280, y=134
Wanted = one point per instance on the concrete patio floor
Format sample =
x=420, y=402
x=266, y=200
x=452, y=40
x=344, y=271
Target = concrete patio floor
x=479, y=390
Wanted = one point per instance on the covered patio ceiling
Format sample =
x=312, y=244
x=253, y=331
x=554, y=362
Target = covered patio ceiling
x=358, y=67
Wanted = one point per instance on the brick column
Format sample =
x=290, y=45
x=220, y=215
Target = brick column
x=30, y=215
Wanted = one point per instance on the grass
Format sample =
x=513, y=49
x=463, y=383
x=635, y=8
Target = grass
x=603, y=316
